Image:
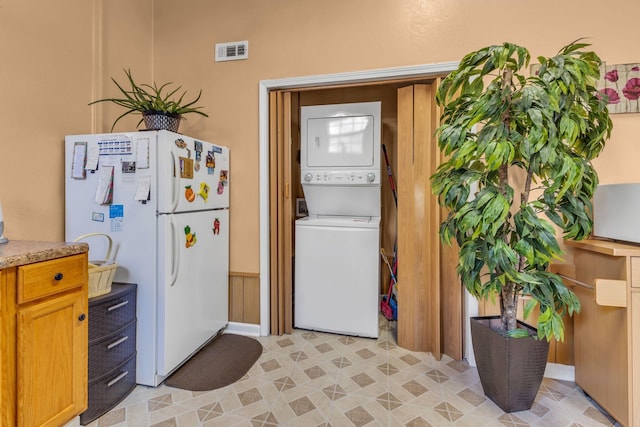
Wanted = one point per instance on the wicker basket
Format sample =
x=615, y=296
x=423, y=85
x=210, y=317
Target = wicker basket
x=101, y=275
x=101, y=272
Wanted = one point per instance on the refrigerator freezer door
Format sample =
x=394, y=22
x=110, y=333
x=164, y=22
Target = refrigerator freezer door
x=197, y=174
x=193, y=283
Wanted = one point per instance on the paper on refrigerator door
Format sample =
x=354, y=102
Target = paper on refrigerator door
x=92, y=158
x=142, y=153
x=104, y=192
x=143, y=189
x=78, y=161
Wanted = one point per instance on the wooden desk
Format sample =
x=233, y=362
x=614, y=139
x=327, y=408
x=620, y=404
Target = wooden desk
x=607, y=330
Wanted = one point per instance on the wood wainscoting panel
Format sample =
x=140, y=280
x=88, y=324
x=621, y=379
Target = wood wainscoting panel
x=236, y=298
x=244, y=297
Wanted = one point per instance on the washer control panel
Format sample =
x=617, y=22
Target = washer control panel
x=358, y=177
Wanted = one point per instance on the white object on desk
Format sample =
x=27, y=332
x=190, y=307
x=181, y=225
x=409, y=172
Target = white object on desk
x=2, y=238
x=615, y=212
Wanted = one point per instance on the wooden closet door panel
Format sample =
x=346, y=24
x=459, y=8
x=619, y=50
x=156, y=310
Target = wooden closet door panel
x=430, y=293
x=281, y=213
x=274, y=221
x=418, y=251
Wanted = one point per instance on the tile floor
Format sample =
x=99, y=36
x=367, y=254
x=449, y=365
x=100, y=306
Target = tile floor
x=317, y=379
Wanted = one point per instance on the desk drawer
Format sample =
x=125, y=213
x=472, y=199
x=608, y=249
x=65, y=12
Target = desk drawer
x=51, y=277
x=107, y=353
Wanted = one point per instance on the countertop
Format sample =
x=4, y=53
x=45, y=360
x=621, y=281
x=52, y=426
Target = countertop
x=21, y=252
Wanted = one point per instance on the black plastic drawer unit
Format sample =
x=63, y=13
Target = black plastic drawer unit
x=110, y=389
x=112, y=350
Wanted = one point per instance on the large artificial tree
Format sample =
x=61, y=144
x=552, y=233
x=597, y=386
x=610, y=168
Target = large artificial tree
x=518, y=148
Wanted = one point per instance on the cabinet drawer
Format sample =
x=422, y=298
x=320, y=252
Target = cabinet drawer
x=109, y=390
x=111, y=314
x=109, y=352
x=50, y=277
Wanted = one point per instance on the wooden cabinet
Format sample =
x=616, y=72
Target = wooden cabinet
x=43, y=310
x=112, y=350
x=607, y=330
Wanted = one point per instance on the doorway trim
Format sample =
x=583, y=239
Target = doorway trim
x=381, y=75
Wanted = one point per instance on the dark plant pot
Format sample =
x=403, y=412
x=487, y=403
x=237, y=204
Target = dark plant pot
x=159, y=120
x=510, y=369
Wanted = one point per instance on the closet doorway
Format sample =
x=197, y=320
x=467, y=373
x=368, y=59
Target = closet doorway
x=429, y=299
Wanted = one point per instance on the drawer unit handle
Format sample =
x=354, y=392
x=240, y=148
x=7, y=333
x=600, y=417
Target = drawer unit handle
x=118, y=378
x=117, y=306
x=118, y=342
x=58, y=276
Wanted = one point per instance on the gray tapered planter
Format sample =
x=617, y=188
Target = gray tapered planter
x=510, y=369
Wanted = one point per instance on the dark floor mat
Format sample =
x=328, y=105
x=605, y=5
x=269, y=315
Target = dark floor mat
x=221, y=362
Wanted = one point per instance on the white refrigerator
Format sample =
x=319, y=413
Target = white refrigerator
x=163, y=198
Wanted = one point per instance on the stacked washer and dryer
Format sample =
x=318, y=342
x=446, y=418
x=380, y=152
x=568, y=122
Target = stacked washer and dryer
x=337, y=247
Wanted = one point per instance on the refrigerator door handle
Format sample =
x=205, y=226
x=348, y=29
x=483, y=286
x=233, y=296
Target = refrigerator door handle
x=175, y=251
x=175, y=182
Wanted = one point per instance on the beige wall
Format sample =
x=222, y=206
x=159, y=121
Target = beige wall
x=58, y=55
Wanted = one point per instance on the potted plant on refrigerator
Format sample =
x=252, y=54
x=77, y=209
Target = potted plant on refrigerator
x=518, y=151
x=162, y=107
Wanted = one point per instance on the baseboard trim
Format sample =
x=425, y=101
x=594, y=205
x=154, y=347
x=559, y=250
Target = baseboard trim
x=558, y=371
x=247, y=329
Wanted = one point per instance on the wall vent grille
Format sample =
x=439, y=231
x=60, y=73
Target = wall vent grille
x=232, y=51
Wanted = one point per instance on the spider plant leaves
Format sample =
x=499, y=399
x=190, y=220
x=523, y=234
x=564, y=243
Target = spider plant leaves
x=142, y=98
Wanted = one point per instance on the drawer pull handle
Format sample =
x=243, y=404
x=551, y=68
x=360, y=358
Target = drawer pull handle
x=118, y=378
x=82, y=317
x=118, y=342
x=58, y=276
x=117, y=306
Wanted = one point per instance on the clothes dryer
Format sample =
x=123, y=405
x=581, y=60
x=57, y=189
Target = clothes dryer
x=340, y=158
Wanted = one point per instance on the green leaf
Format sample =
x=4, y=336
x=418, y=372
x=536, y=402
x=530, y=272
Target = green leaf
x=528, y=308
x=518, y=333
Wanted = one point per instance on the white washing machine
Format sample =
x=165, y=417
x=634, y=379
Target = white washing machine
x=337, y=274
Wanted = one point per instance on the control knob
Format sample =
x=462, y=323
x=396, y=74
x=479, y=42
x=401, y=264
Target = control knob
x=371, y=177
x=308, y=177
